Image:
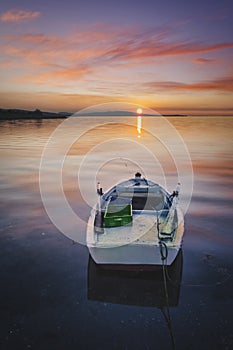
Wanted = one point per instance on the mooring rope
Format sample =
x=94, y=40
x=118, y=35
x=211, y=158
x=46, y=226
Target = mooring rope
x=166, y=310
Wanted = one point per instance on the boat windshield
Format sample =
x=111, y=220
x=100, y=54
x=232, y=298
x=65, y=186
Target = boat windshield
x=142, y=200
x=148, y=203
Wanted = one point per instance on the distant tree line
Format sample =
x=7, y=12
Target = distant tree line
x=6, y=114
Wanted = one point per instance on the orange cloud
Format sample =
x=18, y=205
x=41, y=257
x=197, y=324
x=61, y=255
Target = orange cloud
x=204, y=60
x=16, y=16
x=53, y=101
x=54, y=77
x=221, y=84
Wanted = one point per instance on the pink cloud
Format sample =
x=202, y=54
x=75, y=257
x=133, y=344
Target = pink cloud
x=38, y=39
x=132, y=49
x=113, y=46
x=54, y=59
x=16, y=15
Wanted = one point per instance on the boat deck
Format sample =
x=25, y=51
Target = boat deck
x=142, y=231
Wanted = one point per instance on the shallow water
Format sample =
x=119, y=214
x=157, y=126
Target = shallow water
x=53, y=297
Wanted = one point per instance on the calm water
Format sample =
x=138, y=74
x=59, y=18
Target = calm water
x=53, y=297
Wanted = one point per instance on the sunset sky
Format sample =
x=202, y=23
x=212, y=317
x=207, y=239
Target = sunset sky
x=173, y=56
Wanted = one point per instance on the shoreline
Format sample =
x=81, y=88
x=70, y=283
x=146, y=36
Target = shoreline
x=17, y=114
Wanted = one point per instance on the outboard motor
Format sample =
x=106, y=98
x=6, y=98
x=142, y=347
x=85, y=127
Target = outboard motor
x=137, y=178
x=138, y=175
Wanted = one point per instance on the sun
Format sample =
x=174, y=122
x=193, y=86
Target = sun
x=139, y=111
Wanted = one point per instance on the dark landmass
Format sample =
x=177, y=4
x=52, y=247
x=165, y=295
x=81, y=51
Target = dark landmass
x=11, y=114
x=122, y=113
x=8, y=114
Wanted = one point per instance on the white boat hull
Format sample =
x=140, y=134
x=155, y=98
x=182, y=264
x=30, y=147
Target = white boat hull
x=132, y=255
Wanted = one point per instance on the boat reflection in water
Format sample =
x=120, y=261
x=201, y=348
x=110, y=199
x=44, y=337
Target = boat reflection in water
x=154, y=286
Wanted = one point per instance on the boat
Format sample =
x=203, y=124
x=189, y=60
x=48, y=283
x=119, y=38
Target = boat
x=136, y=222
